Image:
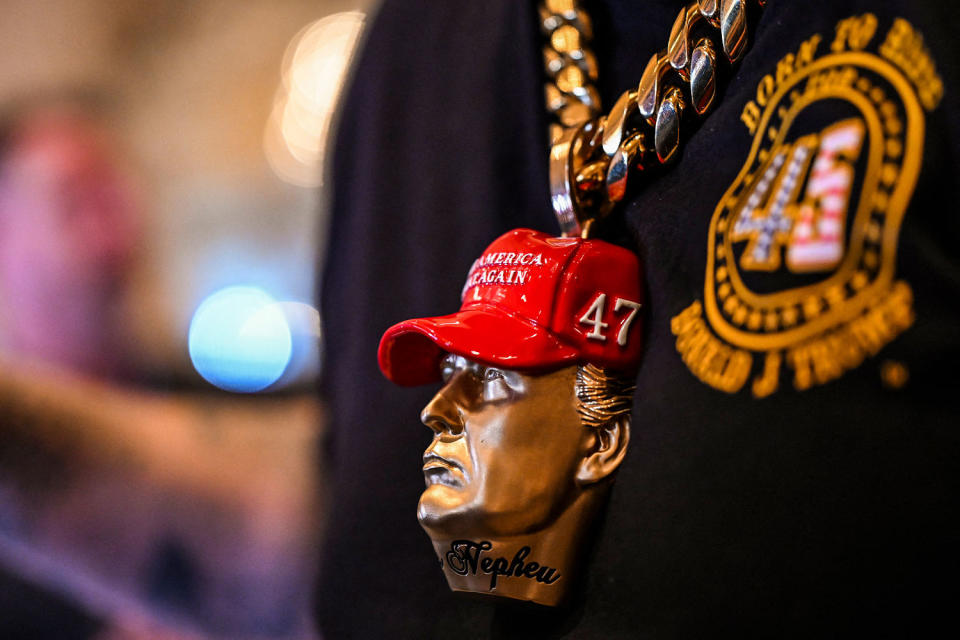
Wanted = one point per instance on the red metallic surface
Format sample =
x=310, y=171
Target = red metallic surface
x=523, y=308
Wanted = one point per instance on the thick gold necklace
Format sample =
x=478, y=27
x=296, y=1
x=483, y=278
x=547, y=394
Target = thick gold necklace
x=593, y=156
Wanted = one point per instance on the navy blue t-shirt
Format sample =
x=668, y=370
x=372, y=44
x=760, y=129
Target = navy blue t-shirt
x=793, y=465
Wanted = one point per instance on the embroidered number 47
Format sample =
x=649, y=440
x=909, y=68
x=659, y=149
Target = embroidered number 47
x=594, y=318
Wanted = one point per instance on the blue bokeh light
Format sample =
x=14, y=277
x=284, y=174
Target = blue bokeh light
x=240, y=340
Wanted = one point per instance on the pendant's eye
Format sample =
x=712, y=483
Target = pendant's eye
x=448, y=367
x=495, y=385
x=489, y=375
x=446, y=372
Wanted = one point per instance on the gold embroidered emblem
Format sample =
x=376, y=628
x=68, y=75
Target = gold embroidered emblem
x=802, y=246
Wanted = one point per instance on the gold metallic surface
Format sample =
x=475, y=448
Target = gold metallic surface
x=549, y=20
x=565, y=39
x=589, y=137
x=554, y=97
x=624, y=159
x=649, y=81
x=587, y=230
x=678, y=49
x=603, y=396
x=563, y=168
x=556, y=133
x=591, y=175
x=589, y=65
x=565, y=8
x=703, y=76
x=506, y=506
x=666, y=135
x=616, y=125
x=553, y=62
x=591, y=99
x=685, y=72
x=573, y=113
x=590, y=189
x=679, y=44
x=710, y=9
x=733, y=28
x=570, y=64
x=571, y=80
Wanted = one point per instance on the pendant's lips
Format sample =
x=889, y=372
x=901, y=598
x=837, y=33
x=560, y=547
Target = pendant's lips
x=433, y=460
x=439, y=470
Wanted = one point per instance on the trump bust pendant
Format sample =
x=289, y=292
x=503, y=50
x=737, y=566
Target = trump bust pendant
x=532, y=418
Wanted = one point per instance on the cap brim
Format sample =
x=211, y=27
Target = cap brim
x=410, y=351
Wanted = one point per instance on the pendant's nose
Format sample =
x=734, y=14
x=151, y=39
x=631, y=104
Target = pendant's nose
x=443, y=414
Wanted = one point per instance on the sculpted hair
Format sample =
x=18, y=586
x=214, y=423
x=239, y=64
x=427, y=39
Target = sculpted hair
x=603, y=395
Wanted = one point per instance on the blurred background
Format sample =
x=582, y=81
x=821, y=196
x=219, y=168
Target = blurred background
x=162, y=215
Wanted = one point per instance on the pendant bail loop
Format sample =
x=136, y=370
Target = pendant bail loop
x=562, y=183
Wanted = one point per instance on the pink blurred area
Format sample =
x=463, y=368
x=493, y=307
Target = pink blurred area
x=70, y=224
x=136, y=500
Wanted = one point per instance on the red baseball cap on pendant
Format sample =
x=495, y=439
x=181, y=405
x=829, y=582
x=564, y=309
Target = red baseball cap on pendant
x=531, y=302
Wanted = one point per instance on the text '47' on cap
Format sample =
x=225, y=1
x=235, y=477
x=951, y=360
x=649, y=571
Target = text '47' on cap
x=531, y=302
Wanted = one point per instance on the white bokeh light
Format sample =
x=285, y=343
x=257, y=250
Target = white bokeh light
x=240, y=340
x=314, y=70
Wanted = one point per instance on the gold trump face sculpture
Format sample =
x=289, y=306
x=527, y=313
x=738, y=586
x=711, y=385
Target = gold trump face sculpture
x=528, y=431
x=506, y=507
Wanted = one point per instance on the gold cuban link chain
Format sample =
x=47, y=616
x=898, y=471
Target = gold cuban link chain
x=593, y=156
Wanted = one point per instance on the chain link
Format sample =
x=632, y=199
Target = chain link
x=571, y=67
x=593, y=157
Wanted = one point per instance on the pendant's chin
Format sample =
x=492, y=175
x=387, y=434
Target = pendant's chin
x=440, y=506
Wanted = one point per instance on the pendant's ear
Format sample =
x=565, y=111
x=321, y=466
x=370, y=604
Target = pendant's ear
x=606, y=447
